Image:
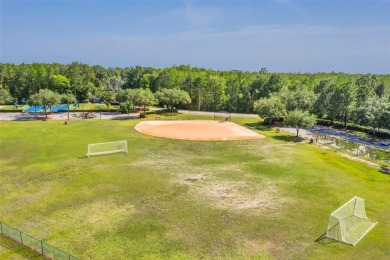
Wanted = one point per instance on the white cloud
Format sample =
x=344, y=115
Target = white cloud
x=289, y=4
x=196, y=16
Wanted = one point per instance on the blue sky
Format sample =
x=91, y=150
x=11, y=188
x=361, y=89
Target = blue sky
x=282, y=35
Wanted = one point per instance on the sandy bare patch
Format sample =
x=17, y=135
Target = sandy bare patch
x=239, y=195
x=103, y=213
x=192, y=178
x=256, y=247
x=234, y=195
x=205, y=130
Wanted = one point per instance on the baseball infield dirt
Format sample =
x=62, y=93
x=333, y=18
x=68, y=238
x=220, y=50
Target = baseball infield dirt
x=196, y=130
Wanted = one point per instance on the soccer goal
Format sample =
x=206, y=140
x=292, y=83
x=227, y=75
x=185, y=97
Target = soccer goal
x=349, y=223
x=107, y=148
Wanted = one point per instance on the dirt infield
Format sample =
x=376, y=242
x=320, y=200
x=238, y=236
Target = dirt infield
x=196, y=130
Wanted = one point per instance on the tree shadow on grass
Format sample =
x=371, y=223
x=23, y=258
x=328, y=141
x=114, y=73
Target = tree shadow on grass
x=101, y=155
x=169, y=114
x=20, y=249
x=385, y=170
x=288, y=138
x=323, y=240
x=258, y=126
x=124, y=118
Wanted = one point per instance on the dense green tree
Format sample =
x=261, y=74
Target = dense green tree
x=133, y=77
x=344, y=99
x=45, y=98
x=270, y=108
x=125, y=95
x=162, y=81
x=334, y=101
x=299, y=119
x=108, y=97
x=127, y=107
x=144, y=98
x=214, y=94
x=363, y=93
x=368, y=80
x=375, y=113
x=258, y=87
x=5, y=96
x=68, y=99
x=338, y=94
x=173, y=97
x=323, y=86
x=382, y=89
x=327, y=102
x=61, y=84
x=235, y=84
x=300, y=99
x=274, y=84
x=196, y=94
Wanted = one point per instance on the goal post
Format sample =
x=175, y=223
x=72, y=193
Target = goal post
x=349, y=223
x=107, y=148
x=222, y=116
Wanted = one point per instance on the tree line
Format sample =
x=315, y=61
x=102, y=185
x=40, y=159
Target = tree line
x=361, y=98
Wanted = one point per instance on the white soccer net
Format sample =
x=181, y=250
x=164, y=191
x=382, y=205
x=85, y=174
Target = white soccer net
x=107, y=148
x=349, y=223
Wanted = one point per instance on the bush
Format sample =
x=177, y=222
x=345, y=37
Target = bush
x=142, y=115
x=123, y=110
x=161, y=111
x=275, y=121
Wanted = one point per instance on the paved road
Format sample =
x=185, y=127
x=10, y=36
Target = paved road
x=305, y=132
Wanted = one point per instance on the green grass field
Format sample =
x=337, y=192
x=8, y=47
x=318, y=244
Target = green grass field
x=266, y=199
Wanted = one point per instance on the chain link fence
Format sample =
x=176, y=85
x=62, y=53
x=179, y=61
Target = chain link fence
x=35, y=244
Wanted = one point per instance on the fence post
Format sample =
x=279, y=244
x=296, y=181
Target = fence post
x=42, y=247
x=1, y=227
x=21, y=238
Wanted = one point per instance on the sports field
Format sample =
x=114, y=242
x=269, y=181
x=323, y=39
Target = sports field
x=197, y=130
x=264, y=198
